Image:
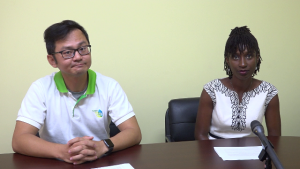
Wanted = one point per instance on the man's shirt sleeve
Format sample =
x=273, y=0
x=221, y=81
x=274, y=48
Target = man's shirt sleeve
x=119, y=108
x=33, y=108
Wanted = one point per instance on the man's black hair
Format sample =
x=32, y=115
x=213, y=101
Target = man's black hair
x=240, y=38
x=59, y=31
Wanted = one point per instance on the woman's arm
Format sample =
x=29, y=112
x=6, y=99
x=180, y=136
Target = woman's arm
x=272, y=117
x=204, y=116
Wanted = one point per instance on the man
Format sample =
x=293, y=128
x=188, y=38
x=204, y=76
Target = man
x=72, y=109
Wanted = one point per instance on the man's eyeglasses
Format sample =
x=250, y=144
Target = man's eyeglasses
x=70, y=53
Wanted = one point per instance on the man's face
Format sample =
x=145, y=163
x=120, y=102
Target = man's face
x=76, y=66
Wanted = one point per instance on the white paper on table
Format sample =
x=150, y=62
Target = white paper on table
x=238, y=153
x=120, y=166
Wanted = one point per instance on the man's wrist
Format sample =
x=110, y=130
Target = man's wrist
x=109, y=144
x=101, y=148
x=61, y=151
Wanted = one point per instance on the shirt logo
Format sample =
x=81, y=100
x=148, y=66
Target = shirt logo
x=98, y=113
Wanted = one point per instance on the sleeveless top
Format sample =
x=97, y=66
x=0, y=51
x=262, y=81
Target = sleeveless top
x=231, y=119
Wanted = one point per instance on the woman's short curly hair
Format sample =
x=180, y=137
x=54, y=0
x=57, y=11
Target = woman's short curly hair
x=241, y=38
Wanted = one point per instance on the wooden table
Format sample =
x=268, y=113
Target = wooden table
x=181, y=155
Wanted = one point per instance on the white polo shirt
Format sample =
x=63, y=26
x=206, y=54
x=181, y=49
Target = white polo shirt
x=51, y=108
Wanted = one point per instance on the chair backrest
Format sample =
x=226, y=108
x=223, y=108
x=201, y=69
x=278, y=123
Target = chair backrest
x=180, y=119
x=113, y=129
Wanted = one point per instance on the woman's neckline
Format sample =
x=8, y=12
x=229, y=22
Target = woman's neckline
x=261, y=81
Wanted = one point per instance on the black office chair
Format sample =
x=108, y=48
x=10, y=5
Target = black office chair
x=113, y=130
x=180, y=119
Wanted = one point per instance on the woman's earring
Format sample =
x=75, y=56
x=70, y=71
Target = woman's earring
x=228, y=70
x=256, y=68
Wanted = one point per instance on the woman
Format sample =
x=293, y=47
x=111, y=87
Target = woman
x=228, y=106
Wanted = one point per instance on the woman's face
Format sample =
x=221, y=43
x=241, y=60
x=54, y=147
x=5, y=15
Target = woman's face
x=242, y=64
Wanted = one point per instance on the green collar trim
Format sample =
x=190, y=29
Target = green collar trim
x=61, y=86
x=81, y=97
x=92, y=82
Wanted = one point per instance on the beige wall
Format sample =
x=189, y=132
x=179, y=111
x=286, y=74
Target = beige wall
x=157, y=51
